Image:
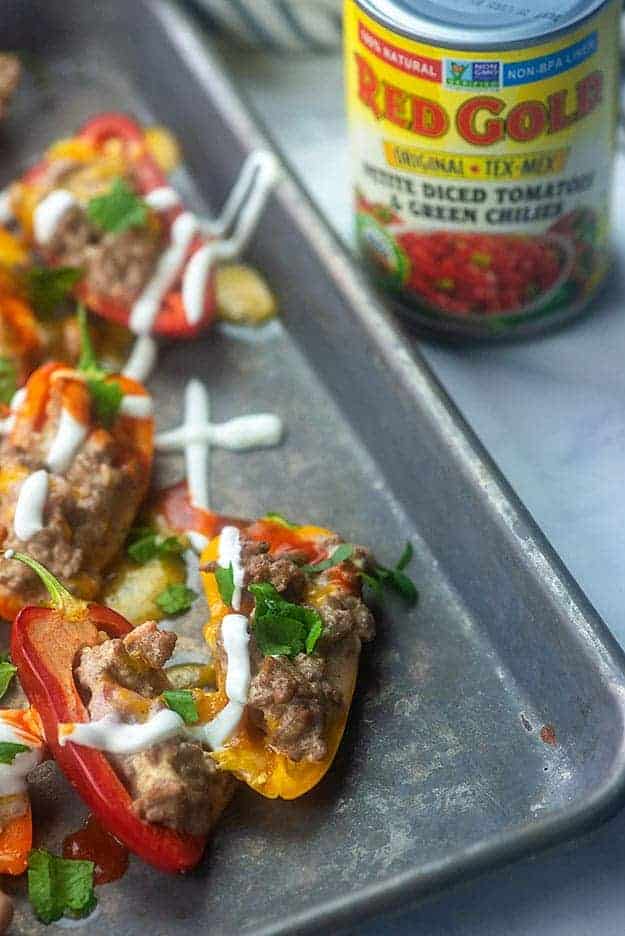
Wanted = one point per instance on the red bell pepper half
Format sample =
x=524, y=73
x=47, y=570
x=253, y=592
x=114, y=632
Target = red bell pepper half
x=45, y=643
x=147, y=176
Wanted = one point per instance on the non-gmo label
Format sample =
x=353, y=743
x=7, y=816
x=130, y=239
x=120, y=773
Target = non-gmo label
x=463, y=75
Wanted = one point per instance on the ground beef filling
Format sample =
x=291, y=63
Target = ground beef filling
x=293, y=701
x=175, y=783
x=117, y=266
x=9, y=77
x=87, y=513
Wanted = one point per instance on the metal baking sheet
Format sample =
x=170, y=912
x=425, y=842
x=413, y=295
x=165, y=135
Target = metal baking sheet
x=449, y=764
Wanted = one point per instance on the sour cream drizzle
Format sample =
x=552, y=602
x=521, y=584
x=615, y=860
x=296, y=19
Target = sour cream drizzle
x=31, y=502
x=216, y=732
x=137, y=406
x=70, y=435
x=6, y=214
x=6, y=425
x=163, y=198
x=147, y=306
x=142, y=360
x=257, y=430
x=230, y=554
x=13, y=776
x=49, y=212
x=236, y=639
x=117, y=737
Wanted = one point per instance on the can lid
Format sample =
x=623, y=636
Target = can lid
x=480, y=24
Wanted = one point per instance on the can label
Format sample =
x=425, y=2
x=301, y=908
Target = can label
x=483, y=180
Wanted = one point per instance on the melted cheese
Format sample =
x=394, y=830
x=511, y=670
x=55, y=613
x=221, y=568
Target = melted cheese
x=70, y=435
x=147, y=306
x=230, y=554
x=31, y=502
x=49, y=212
x=116, y=737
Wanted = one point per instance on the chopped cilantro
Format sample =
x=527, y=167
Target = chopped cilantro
x=183, y=703
x=225, y=583
x=176, y=599
x=7, y=672
x=341, y=554
x=47, y=287
x=282, y=628
x=118, y=210
x=9, y=751
x=106, y=395
x=278, y=518
x=8, y=380
x=395, y=579
x=106, y=398
x=145, y=544
x=58, y=886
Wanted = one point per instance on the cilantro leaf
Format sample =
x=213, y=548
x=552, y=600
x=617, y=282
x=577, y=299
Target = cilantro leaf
x=278, y=518
x=395, y=579
x=406, y=557
x=9, y=751
x=47, y=287
x=340, y=554
x=8, y=380
x=7, y=672
x=106, y=395
x=106, y=398
x=176, y=599
x=182, y=702
x=225, y=583
x=282, y=628
x=118, y=210
x=146, y=544
x=58, y=886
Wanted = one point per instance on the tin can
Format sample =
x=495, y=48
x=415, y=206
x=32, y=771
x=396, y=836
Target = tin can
x=483, y=135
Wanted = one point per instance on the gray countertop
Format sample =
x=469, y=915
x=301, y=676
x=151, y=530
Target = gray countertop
x=552, y=413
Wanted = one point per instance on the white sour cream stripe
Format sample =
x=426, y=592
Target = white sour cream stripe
x=171, y=261
x=70, y=435
x=6, y=214
x=236, y=639
x=216, y=732
x=116, y=737
x=49, y=212
x=197, y=453
x=13, y=776
x=230, y=554
x=31, y=502
x=137, y=406
x=162, y=199
x=142, y=360
x=6, y=425
x=257, y=430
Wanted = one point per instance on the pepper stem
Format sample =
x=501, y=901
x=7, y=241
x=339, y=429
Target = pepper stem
x=88, y=361
x=61, y=598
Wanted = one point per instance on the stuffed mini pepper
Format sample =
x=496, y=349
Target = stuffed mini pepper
x=116, y=727
x=99, y=203
x=75, y=459
x=286, y=628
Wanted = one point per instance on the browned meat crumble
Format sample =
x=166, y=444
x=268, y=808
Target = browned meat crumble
x=175, y=783
x=293, y=701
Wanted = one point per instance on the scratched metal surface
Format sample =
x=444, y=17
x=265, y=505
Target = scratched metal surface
x=442, y=771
